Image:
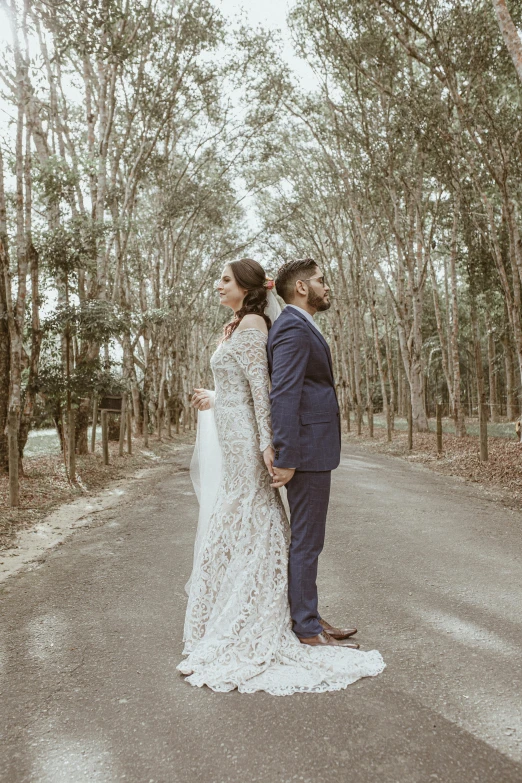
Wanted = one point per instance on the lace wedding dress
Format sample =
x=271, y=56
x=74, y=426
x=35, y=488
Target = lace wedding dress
x=237, y=626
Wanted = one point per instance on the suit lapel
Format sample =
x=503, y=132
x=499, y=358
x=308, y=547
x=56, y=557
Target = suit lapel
x=316, y=333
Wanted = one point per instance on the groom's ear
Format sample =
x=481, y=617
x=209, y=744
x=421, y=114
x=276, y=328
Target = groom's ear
x=300, y=287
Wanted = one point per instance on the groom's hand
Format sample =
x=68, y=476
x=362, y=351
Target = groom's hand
x=282, y=476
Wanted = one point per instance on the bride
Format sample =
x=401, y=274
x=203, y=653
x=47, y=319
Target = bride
x=237, y=626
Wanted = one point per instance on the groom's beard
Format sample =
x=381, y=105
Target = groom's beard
x=319, y=302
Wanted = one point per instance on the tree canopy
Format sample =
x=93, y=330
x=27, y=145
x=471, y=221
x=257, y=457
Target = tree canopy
x=145, y=143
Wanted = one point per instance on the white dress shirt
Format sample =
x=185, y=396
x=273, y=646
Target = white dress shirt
x=307, y=315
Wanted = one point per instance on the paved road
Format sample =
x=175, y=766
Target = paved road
x=428, y=568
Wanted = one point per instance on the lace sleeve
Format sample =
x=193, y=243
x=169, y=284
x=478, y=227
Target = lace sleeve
x=250, y=353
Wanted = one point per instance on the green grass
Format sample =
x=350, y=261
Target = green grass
x=47, y=442
x=501, y=430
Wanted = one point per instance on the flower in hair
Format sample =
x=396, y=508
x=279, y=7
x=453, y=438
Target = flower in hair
x=269, y=283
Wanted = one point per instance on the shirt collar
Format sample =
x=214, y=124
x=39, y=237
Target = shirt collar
x=306, y=314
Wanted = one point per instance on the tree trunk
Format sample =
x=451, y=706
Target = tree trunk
x=16, y=310
x=123, y=424
x=410, y=422
x=418, y=410
x=71, y=445
x=511, y=398
x=343, y=362
x=380, y=369
x=492, y=376
x=5, y=347
x=509, y=34
x=458, y=409
x=82, y=425
x=14, y=463
x=442, y=334
x=481, y=387
x=439, y=428
x=393, y=383
x=31, y=388
x=369, y=391
x=356, y=349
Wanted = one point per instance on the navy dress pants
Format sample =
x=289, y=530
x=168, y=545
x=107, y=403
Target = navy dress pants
x=308, y=495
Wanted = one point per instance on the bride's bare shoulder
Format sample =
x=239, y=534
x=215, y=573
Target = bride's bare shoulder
x=253, y=321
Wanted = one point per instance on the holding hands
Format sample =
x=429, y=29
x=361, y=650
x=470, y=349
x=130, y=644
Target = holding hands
x=202, y=401
x=280, y=476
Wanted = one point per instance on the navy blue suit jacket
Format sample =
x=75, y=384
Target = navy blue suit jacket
x=305, y=411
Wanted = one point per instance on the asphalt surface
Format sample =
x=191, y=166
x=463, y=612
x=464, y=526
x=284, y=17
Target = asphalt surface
x=428, y=568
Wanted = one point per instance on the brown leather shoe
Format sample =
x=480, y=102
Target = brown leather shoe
x=338, y=633
x=324, y=639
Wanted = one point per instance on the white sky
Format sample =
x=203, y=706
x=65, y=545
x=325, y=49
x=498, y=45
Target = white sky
x=270, y=14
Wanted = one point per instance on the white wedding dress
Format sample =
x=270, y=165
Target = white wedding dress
x=237, y=627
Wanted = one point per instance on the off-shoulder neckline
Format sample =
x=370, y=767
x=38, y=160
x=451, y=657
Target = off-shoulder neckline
x=250, y=329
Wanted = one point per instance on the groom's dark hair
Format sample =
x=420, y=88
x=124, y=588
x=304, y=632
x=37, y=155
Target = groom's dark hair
x=290, y=273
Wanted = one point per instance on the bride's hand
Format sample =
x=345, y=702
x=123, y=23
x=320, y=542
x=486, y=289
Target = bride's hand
x=282, y=476
x=201, y=399
x=268, y=456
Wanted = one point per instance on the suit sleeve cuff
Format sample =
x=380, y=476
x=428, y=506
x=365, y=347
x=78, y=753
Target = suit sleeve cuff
x=286, y=459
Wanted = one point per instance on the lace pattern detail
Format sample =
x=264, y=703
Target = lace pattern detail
x=249, y=351
x=237, y=626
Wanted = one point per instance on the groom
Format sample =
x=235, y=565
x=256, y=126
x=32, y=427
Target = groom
x=307, y=438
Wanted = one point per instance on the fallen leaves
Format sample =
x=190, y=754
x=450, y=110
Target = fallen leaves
x=460, y=457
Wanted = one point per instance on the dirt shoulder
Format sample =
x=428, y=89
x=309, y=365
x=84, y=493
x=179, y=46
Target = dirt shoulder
x=45, y=488
x=500, y=477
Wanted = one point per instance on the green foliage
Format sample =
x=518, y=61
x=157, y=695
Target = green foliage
x=56, y=180
x=93, y=321
x=85, y=380
x=69, y=247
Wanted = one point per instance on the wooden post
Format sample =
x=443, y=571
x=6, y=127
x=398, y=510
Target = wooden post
x=481, y=390
x=14, y=479
x=129, y=431
x=94, y=423
x=65, y=444
x=483, y=430
x=370, y=418
x=105, y=436
x=159, y=416
x=145, y=424
x=169, y=422
x=439, y=428
x=123, y=421
x=359, y=418
x=71, y=438
x=410, y=422
x=389, y=424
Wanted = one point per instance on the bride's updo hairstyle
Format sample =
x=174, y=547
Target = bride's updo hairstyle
x=251, y=276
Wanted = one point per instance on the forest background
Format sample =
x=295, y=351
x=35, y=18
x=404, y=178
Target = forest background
x=145, y=143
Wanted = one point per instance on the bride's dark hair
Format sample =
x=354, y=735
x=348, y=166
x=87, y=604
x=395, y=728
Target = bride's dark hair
x=250, y=275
